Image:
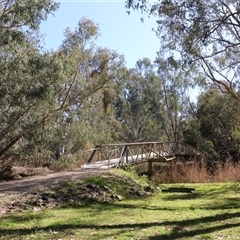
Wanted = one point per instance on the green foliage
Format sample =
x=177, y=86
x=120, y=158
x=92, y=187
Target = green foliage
x=176, y=83
x=82, y=95
x=57, y=94
x=203, y=33
x=154, y=105
x=17, y=16
x=89, y=72
x=215, y=129
x=26, y=104
x=27, y=76
x=137, y=107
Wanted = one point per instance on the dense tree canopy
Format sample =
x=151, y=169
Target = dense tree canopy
x=138, y=104
x=42, y=92
x=204, y=33
x=154, y=103
x=27, y=77
x=215, y=128
x=83, y=95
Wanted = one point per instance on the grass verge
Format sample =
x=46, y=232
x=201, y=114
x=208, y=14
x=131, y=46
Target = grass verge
x=212, y=211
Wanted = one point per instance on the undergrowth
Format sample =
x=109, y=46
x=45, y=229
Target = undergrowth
x=194, y=172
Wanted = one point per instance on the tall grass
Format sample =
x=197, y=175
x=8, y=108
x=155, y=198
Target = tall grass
x=228, y=172
x=195, y=172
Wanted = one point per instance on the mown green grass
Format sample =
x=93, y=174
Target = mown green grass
x=211, y=212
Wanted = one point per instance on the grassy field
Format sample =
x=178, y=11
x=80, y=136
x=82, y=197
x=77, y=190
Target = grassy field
x=212, y=211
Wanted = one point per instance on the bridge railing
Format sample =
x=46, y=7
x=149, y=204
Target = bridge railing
x=131, y=153
x=140, y=152
x=179, y=148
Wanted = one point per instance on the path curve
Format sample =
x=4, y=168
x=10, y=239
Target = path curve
x=35, y=182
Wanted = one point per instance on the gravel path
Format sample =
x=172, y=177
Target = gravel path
x=29, y=183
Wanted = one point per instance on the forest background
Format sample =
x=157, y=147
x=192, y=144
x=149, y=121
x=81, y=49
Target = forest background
x=81, y=95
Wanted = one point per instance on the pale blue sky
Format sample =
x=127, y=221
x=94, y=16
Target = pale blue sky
x=119, y=31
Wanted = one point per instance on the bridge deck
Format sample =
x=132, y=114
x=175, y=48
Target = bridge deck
x=117, y=155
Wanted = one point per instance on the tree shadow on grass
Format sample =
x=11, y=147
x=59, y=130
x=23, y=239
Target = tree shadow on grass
x=99, y=207
x=177, y=232
x=23, y=218
x=218, y=201
x=221, y=204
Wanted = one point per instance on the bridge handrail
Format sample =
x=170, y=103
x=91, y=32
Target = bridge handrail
x=128, y=150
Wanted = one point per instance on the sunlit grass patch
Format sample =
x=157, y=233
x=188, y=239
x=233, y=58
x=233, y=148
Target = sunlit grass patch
x=211, y=212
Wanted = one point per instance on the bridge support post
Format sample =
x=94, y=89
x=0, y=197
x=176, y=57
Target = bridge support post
x=149, y=168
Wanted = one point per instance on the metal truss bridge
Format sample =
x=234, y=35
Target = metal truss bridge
x=118, y=155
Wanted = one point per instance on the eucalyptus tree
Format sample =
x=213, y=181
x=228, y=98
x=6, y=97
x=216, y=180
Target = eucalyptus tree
x=204, y=33
x=42, y=91
x=154, y=104
x=215, y=129
x=219, y=123
x=89, y=74
x=175, y=104
x=137, y=108
x=19, y=17
x=27, y=77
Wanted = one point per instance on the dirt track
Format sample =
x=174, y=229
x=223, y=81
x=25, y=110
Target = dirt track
x=35, y=182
